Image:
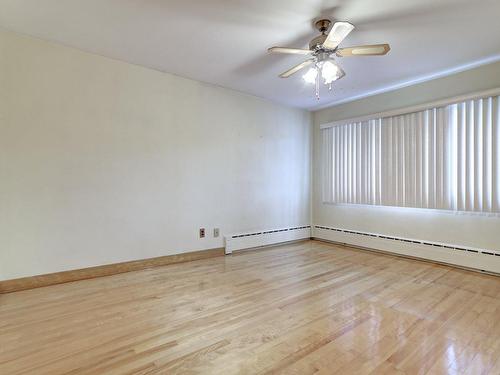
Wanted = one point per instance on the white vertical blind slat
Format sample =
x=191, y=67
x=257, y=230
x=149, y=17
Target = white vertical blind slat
x=478, y=156
x=431, y=186
x=495, y=152
x=439, y=144
x=418, y=175
x=486, y=142
x=459, y=155
x=378, y=161
x=467, y=170
x=348, y=164
x=338, y=198
x=401, y=162
x=396, y=168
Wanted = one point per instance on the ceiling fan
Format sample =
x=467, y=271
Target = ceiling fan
x=321, y=51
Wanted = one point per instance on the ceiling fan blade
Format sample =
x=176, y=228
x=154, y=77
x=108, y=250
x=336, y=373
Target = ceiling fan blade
x=294, y=51
x=296, y=68
x=369, y=50
x=337, y=34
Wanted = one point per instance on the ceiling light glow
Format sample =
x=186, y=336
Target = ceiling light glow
x=330, y=72
x=311, y=75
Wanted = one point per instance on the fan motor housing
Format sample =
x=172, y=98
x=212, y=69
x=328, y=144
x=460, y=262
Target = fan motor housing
x=317, y=42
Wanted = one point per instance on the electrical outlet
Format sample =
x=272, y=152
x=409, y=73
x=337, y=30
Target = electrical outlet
x=202, y=232
x=216, y=232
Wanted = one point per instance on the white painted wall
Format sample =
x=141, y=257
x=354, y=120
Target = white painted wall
x=103, y=161
x=455, y=228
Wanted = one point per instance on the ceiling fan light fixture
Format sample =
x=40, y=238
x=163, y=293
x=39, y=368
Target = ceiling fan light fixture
x=321, y=50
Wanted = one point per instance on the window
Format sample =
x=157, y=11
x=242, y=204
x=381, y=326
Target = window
x=447, y=157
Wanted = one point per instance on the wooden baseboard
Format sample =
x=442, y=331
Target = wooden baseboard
x=15, y=285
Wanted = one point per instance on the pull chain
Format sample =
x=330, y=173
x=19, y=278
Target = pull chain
x=317, y=86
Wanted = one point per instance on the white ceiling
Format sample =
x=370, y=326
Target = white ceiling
x=224, y=42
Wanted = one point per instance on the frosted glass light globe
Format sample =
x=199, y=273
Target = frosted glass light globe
x=310, y=76
x=330, y=72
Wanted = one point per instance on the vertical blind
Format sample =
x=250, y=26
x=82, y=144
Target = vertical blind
x=441, y=158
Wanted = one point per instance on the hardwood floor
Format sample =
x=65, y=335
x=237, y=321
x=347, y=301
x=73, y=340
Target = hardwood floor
x=304, y=308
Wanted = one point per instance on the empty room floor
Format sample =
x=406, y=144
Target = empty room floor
x=301, y=308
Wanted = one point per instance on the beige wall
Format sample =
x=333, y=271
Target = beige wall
x=455, y=228
x=103, y=161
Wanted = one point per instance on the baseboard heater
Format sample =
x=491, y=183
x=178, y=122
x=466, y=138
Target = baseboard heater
x=479, y=259
x=251, y=240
